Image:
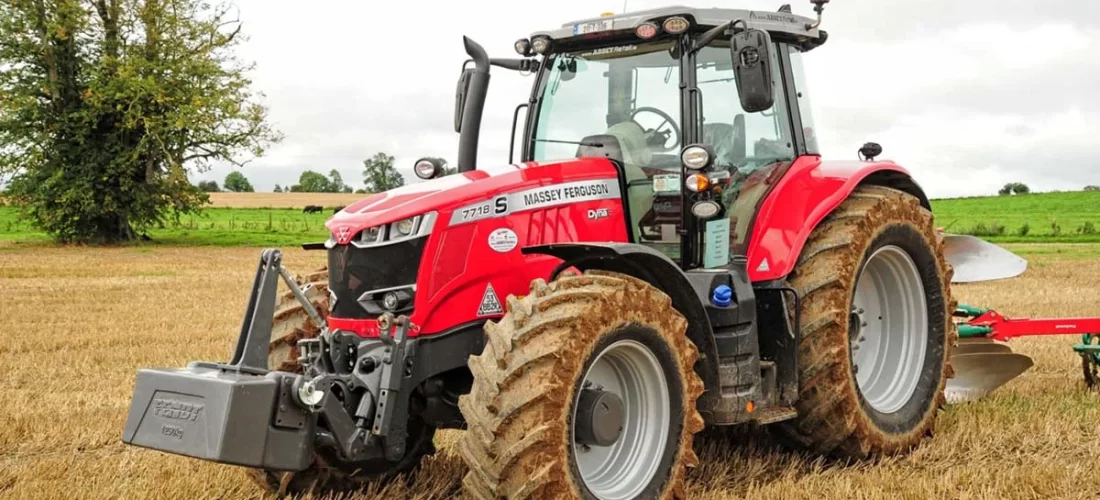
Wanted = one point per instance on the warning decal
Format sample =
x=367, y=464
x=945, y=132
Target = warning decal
x=490, y=304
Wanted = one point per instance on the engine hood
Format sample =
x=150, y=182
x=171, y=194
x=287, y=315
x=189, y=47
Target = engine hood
x=448, y=192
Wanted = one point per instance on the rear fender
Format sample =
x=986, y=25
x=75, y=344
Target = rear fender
x=809, y=191
x=655, y=268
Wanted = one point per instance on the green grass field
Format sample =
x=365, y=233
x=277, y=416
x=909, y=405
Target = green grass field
x=1072, y=217
x=1049, y=217
x=214, y=226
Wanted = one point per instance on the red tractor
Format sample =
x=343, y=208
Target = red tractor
x=671, y=252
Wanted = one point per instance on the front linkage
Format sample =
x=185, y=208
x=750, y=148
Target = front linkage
x=213, y=411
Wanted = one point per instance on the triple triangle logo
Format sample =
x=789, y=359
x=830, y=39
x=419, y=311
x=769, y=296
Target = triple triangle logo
x=490, y=304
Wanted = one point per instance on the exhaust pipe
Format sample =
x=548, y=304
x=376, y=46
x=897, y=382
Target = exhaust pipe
x=475, y=104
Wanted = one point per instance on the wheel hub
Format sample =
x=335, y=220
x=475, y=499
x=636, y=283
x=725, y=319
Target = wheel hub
x=600, y=418
x=621, y=419
x=888, y=329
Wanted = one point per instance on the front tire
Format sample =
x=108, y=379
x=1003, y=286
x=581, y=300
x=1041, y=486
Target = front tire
x=530, y=412
x=876, y=328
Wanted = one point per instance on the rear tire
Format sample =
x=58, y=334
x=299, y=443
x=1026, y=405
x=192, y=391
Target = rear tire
x=328, y=473
x=522, y=411
x=875, y=295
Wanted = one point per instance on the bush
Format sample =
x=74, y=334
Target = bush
x=1024, y=229
x=1092, y=188
x=1086, y=228
x=983, y=229
x=1055, y=229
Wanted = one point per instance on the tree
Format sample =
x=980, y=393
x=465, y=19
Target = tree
x=209, y=186
x=337, y=182
x=1092, y=188
x=1013, y=188
x=237, y=183
x=278, y=189
x=379, y=174
x=312, y=182
x=105, y=105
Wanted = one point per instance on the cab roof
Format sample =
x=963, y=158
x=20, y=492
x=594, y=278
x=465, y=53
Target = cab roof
x=782, y=23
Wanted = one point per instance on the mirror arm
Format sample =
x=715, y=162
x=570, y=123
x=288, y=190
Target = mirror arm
x=516, y=64
x=711, y=35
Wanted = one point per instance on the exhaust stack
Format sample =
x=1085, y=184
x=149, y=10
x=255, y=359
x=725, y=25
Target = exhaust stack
x=475, y=104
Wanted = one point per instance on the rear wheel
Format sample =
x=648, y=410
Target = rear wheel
x=328, y=472
x=876, y=327
x=585, y=389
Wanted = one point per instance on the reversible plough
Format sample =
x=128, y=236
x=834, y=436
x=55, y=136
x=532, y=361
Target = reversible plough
x=982, y=360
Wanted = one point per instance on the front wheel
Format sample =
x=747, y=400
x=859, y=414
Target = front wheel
x=876, y=328
x=585, y=389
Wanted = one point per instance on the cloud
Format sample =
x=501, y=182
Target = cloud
x=967, y=95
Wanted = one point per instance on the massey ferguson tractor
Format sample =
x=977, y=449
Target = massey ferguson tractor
x=670, y=253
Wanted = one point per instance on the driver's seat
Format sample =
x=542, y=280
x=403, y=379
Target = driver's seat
x=625, y=142
x=723, y=138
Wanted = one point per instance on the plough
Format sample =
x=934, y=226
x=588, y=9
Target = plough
x=982, y=360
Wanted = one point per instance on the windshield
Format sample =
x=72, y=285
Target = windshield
x=632, y=92
x=621, y=91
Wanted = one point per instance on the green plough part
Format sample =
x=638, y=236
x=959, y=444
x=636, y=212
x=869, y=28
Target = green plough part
x=967, y=331
x=967, y=311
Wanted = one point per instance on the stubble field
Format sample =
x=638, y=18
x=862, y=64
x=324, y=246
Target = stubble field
x=77, y=324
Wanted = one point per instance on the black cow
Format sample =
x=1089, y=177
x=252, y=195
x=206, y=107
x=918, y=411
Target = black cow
x=337, y=209
x=312, y=209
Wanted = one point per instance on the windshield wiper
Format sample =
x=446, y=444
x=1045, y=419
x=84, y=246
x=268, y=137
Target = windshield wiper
x=580, y=143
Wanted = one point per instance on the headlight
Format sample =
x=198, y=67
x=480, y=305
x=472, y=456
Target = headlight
x=523, y=47
x=372, y=235
x=405, y=227
x=540, y=44
x=706, y=209
x=695, y=157
x=427, y=168
x=676, y=25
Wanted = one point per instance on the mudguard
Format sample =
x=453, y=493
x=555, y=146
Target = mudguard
x=809, y=191
x=651, y=266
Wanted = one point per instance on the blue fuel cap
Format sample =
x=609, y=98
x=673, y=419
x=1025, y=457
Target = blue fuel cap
x=722, y=296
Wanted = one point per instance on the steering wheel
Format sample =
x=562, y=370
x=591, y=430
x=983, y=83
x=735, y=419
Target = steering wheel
x=658, y=140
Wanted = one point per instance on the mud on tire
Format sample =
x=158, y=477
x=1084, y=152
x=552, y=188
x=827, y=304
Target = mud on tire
x=328, y=474
x=835, y=417
x=521, y=407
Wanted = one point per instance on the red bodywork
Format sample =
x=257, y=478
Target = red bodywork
x=459, y=263
x=808, y=191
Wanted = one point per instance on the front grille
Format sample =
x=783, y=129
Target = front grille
x=353, y=271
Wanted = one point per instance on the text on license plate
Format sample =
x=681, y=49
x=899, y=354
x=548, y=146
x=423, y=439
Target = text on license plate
x=593, y=26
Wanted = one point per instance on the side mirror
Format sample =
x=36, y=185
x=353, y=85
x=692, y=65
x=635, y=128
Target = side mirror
x=461, y=90
x=751, y=52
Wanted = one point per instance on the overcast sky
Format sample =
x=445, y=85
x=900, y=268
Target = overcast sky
x=968, y=95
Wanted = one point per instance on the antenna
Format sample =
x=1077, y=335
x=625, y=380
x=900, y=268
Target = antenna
x=624, y=5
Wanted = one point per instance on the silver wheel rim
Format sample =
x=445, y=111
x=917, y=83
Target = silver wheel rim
x=888, y=329
x=622, y=470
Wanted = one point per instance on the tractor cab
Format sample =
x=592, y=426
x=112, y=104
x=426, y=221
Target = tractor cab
x=701, y=109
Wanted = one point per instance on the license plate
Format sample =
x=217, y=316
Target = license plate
x=593, y=26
